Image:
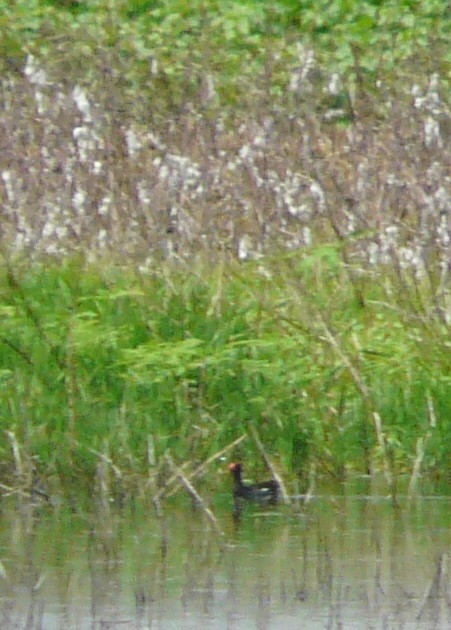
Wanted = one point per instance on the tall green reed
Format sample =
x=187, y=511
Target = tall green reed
x=99, y=362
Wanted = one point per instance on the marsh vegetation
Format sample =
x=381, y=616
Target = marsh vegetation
x=221, y=220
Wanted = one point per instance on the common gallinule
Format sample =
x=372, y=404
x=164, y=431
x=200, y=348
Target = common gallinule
x=263, y=492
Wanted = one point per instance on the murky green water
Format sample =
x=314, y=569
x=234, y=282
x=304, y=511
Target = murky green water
x=342, y=561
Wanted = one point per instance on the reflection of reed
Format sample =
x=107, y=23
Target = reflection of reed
x=340, y=560
x=196, y=496
x=434, y=597
x=25, y=570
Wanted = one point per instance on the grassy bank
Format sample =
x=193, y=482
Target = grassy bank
x=217, y=219
x=109, y=365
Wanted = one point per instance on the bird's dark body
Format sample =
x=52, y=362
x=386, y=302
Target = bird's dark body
x=264, y=492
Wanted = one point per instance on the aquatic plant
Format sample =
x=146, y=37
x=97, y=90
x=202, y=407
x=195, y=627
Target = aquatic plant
x=190, y=251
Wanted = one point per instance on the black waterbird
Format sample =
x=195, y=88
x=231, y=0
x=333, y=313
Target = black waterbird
x=263, y=492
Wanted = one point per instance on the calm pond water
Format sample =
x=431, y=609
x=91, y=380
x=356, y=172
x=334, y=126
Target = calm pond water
x=343, y=561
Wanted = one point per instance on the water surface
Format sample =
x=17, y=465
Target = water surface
x=345, y=560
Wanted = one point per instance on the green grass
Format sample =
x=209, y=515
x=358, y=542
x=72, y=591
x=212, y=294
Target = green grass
x=340, y=365
x=104, y=361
